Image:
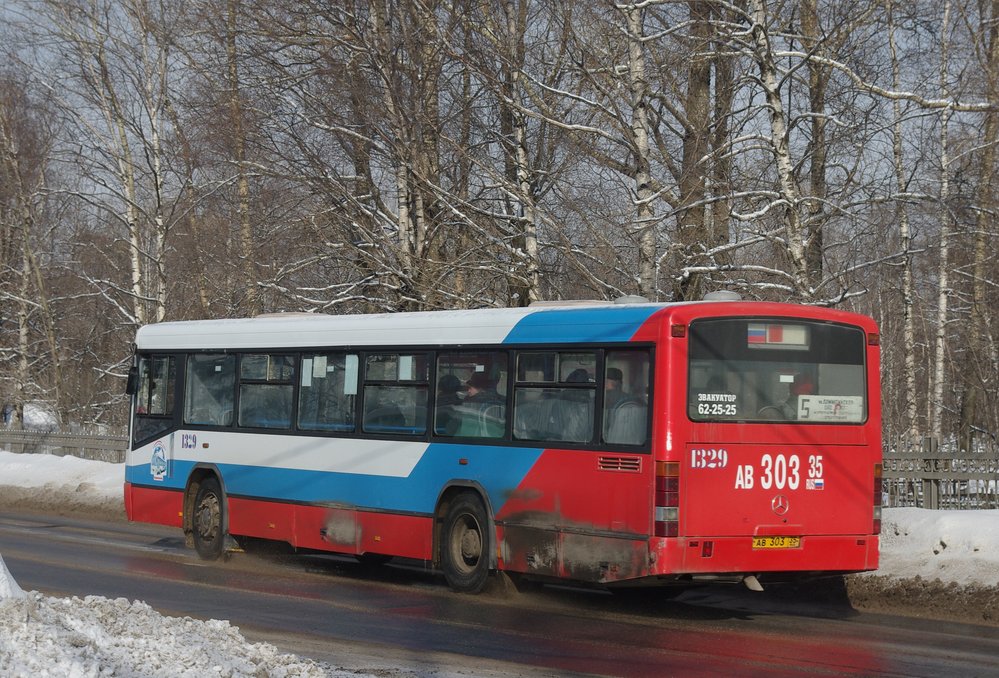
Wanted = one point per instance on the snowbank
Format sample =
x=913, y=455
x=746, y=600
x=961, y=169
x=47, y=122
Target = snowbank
x=953, y=546
x=70, y=475
x=70, y=484
x=42, y=636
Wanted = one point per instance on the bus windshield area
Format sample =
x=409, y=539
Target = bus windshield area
x=776, y=370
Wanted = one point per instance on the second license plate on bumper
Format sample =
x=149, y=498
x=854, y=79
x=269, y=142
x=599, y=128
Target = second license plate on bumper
x=776, y=542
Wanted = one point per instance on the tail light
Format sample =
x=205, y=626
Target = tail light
x=877, y=499
x=667, y=520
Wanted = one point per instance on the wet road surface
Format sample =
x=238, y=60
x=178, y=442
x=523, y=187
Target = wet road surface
x=324, y=606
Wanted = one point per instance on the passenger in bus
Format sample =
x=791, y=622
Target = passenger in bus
x=448, y=389
x=613, y=391
x=448, y=400
x=484, y=409
x=481, y=390
x=627, y=423
x=624, y=415
x=802, y=385
x=788, y=409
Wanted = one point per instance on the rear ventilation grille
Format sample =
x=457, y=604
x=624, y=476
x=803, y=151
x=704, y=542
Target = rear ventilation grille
x=625, y=464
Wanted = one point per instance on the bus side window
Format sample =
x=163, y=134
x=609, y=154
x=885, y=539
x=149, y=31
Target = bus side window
x=154, y=399
x=471, y=394
x=328, y=392
x=554, y=396
x=211, y=385
x=626, y=407
x=395, y=393
x=156, y=382
x=265, y=390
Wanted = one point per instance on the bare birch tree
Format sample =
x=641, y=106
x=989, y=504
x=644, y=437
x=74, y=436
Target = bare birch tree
x=908, y=348
x=111, y=76
x=936, y=403
x=35, y=353
x=979, y=396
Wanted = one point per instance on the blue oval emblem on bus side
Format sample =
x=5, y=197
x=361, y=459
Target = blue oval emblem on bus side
x=158, y=464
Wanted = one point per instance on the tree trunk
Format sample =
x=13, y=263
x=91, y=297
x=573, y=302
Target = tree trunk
x=693, y=231
x=721, y=178
x=908, y=288
x=788, y=185
x=936, y=403
x=979, y=367
x=818, y=75
x=644, y=225
x=247, y=241
x=524, y=285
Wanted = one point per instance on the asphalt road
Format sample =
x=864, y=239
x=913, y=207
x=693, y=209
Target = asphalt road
x=337, y=610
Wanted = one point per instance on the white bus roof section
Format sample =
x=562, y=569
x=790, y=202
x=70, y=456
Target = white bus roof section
x=604, y=323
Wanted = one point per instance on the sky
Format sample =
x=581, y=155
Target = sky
x=94, y=636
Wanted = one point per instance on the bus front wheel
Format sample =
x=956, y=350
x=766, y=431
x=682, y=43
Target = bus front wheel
x=465, y=545
x=208, y=520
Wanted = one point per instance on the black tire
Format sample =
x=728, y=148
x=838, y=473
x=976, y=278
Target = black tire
x=465, y=544
x=208, y=520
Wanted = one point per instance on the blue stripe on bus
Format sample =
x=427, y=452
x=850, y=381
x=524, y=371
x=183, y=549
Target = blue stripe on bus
x=499, y=470
x=581, y=325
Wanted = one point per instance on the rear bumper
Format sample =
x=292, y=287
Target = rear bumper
x=718, y=555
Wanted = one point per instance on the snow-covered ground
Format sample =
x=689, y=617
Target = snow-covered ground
x=44, y=636
x=94, y=636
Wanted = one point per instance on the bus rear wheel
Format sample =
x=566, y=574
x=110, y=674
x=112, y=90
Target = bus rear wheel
x=465, y=545
x=208, y=519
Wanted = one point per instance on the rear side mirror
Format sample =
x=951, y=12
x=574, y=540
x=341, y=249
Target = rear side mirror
x=132, y=385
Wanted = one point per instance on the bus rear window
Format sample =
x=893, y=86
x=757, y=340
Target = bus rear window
x=776, y=370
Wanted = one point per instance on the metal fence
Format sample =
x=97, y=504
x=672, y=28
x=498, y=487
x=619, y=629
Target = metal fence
x=927, y=476
x=914, y=475
x=109, y=448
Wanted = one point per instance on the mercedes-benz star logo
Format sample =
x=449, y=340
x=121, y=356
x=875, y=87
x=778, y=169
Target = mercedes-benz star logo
x=780, y=504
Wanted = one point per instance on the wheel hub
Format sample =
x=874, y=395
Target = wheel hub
x=471, y=545
x=207, y=518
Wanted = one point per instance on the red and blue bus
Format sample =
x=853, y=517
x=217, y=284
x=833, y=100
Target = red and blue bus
x=618, y=444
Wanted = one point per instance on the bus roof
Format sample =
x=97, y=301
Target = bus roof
x=573, y=324
x=591, y=323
